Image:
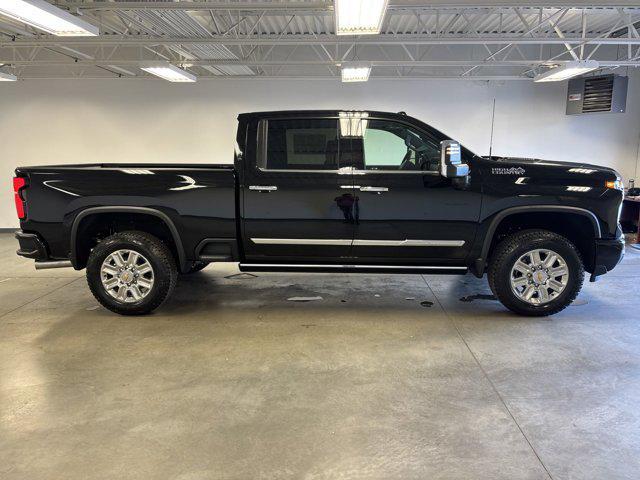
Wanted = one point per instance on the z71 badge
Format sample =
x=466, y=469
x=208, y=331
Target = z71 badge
x=508, y=171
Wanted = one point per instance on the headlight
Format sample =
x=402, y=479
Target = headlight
x=617, y=184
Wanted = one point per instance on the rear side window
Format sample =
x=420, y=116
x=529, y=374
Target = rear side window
x=300, y=144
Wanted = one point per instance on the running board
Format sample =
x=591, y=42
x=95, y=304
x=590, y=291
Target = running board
x=42, y=265
x=330, y=268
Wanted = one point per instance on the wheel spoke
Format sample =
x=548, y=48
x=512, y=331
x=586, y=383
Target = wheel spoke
x=528, y=292
x=522, y=267
x=110, y=283
x=135, y=292
x=144, y=283
x=535, y=257
x=122, y=292
x=543, y=294
x=110, y=270
x=558, y=271
x=144, y=268
x=520, y=282
x=133, y=258
x=556, y=286
x=550, y=260
x=117, y=259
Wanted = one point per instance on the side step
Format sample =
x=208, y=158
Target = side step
x=332, y=268
x=42, y=265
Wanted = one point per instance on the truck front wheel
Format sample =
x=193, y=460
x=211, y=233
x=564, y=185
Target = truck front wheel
x=536, y=272
x=131, y=273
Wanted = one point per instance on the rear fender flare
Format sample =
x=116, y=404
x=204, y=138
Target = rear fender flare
x=127, y=209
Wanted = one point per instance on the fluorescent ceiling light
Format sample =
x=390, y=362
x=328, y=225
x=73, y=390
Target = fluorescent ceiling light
x=568, y=70
x=355, y=73
x=359, y=17
x=168, y=72
x=45, y=16
x=7, y=77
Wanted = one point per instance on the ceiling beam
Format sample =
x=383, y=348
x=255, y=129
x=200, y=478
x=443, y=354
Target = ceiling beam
x=143, y=40
x=328, y=5
x=306, y=78
x=205, y=5
x=285, y=63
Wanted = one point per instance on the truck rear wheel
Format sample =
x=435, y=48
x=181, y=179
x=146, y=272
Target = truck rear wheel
x=536, y=272
x=131, y=273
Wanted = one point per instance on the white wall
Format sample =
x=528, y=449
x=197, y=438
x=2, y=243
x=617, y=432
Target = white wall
x=71, y=121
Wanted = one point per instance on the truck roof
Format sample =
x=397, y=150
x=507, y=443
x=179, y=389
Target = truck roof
x=247, y=117
x=304, y=113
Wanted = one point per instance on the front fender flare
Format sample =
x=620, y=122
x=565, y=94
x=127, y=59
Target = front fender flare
x=480, y=263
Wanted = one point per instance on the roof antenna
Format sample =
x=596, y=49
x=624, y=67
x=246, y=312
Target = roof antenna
x=493, y=118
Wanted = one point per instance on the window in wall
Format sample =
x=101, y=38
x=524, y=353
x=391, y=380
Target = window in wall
x=302, y=144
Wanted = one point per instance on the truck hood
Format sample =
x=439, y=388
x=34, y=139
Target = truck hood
x=537, y=162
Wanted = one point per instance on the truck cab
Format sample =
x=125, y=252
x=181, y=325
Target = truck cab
x=352, y=187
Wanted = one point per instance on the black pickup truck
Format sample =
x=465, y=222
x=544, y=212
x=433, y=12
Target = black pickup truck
x=327, y=191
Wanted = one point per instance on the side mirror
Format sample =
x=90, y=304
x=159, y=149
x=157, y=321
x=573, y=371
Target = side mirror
x=451, y=165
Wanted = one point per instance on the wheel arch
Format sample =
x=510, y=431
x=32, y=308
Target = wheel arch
x=503, y=217
x=76, y=258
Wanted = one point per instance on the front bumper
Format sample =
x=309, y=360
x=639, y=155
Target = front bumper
x=31, y=246
x=608, y=254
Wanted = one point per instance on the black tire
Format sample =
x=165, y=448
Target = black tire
x=159, y=256
x=515, y=246
x=196, y=267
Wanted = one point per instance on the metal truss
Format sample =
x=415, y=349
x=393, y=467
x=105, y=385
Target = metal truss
x=501, y=39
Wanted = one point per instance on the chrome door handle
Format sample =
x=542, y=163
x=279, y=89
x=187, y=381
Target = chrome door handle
x=263, y=188
x=374, y=189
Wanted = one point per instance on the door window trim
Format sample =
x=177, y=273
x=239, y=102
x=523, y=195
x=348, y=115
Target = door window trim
x=261, y=157
x=405, y=172
x=263, y=131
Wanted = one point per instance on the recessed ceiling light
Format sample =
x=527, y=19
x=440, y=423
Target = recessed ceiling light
x=45, y=16
x=568, y=70
x=7, y=77
x=168, y=72
x=359, y=17
x=355, y=73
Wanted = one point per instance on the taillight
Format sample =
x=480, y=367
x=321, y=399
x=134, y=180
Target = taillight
x=18, y=184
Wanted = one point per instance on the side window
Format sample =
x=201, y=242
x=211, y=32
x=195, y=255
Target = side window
x=390, y=145
x=301, y=144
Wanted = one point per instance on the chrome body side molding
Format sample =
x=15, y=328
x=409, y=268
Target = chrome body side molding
x=408, y=243
x=301, y=241
x=358, y=243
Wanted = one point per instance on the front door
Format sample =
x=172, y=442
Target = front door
x=407, y=212
x=298, y=205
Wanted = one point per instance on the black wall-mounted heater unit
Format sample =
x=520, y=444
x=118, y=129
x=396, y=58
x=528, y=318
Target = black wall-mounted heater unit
x=601, y=94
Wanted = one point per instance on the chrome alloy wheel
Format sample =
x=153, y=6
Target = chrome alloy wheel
x=539, y=276
x=127, y=276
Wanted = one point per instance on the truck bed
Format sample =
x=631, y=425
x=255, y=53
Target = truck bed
x=200, y=199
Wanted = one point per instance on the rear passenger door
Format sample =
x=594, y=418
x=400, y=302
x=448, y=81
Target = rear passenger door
x=298, y=205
